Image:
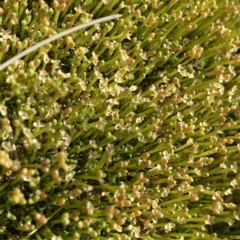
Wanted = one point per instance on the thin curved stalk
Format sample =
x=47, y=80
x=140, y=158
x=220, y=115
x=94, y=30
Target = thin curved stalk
x=55, y=37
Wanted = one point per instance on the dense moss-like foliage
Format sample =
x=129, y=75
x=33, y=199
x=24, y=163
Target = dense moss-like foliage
x=125, y=130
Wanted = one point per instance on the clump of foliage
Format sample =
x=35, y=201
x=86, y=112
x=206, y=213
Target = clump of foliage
x=125, y=130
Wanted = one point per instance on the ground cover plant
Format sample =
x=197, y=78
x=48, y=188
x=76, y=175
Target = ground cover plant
x=125, y=130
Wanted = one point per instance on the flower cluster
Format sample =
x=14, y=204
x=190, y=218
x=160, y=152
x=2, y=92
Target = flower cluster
x=129, y=129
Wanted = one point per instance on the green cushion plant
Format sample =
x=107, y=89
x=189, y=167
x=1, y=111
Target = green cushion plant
x=128, y=129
